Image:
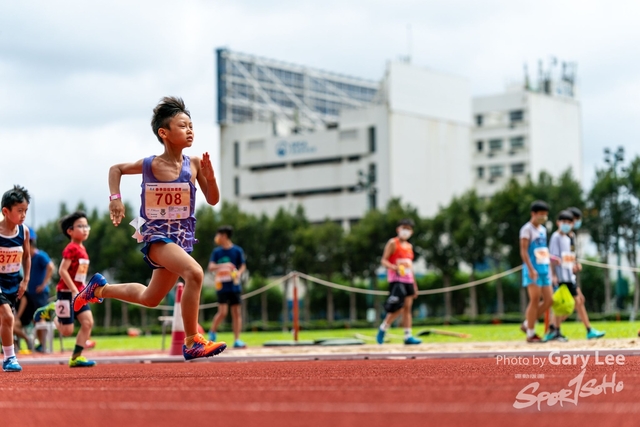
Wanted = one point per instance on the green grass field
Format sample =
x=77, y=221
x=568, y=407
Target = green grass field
x=501, y=332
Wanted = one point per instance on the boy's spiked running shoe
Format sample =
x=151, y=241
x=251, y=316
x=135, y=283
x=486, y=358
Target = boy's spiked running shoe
x=88, y=294
x=81, y=362
x=202, y=348
x=46, y=313
x=11, y=365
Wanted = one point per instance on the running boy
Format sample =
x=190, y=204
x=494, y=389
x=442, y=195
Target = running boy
x=14, y=252
x=73, y=277
x=228, y=264
x=166, y=224
x=535, y=272
x=580, y=307
x=398, y=258
x=564, y=266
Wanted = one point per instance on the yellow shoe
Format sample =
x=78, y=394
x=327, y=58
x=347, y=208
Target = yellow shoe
x=81, y=362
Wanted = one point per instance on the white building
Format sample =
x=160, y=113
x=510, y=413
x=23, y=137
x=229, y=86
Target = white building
x=521, y=133
x=410, y=141
x=338, y=145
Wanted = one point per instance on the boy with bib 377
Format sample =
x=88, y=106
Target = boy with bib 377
x=166, y=224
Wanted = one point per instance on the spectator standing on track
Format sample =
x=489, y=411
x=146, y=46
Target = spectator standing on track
x=228, y=263
x=535, y=272
x=37, y=294
x=166, y=224
x=398, y=259
x=592, y=333
x=14, y=253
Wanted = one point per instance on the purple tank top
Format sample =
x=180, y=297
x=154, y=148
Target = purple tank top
x=168, y=207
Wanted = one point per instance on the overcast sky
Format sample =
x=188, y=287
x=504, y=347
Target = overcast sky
x=79, y=79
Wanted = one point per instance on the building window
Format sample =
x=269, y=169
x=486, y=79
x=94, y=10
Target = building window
x=372, y=139
x=495, y=144
x=517, y=142
x=495, y=171
x=480, y=171
x=236, y=154
x=348, y=134
x=479, y=146
x=236, y=186
x=516, y=116
x=372, y=173
x=256, y=144
x=517, y=169
x=479, y=120
x=373, y=200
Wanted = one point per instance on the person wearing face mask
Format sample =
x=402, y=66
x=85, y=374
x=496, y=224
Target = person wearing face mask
x=535, y=271
x=564, y=266
x=398, y=259
x=592, y=333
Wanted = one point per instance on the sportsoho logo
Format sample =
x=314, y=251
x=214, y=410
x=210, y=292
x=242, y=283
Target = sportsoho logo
x=578, y=387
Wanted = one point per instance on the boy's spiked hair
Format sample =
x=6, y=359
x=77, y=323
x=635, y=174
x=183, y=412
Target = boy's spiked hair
x=14, y=196
x=227, y=230
x=166, y=109
x=67, y=222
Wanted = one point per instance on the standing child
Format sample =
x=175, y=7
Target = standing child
x=166, y=224
x=14, y=252
x=535, y=271
x=564, y=265
x=228, y=263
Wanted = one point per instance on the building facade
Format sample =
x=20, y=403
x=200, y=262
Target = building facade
x=521, y=133
x=339, y=146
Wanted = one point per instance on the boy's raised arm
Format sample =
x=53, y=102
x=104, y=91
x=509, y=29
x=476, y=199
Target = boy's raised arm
x=207, y=180
x=116, y=208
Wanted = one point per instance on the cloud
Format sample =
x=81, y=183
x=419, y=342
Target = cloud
x=79, y=79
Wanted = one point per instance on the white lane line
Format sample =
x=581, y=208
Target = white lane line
x=320, y=407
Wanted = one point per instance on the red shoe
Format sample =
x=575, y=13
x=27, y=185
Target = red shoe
x=89, y=344
x=534, y=339
x=202, y=348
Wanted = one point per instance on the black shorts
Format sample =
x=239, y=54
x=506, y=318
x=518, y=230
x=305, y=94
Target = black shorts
x=29, y=310
x=10, y=299
x=573, y=288
x=408, y=288
x=64, y=306
x=229, y=297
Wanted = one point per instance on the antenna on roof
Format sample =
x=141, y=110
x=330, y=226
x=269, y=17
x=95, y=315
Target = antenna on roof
x=409, y=43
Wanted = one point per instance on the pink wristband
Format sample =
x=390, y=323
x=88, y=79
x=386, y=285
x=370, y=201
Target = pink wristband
x=114, y=197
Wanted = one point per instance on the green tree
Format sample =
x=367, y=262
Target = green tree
x=471, y=236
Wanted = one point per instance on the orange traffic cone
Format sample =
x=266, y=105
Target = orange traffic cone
x=177, y=328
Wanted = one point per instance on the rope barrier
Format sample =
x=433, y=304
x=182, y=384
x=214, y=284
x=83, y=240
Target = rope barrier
x=609, y=266
x=383, y=293
x=470, y=284
x=342, y=287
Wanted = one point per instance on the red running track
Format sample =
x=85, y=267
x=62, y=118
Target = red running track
x=370, y=393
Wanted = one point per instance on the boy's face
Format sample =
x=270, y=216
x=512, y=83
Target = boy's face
x=540, y=217
x=80, y=230
x=220, y=239
x=17, y=214
x=180, y=131
x=564, y=225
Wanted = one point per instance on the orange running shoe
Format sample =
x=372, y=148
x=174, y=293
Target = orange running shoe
x=202, y=348
x=90, y=344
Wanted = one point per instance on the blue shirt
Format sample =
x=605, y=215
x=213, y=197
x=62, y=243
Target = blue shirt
x=11, y=252
x=538, y=250
x=39, y=263
x=220, y=255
